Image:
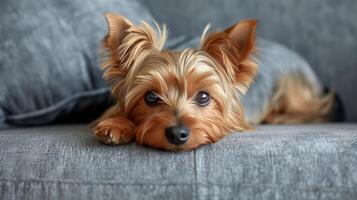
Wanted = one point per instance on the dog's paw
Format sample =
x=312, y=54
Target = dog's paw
x=109, y=132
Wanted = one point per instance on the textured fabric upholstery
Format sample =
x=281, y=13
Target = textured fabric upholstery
x=271, y=162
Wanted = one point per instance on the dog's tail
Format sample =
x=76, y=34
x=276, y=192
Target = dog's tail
x=297, y=100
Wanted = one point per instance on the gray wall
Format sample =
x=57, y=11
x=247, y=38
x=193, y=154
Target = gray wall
x=323, y=31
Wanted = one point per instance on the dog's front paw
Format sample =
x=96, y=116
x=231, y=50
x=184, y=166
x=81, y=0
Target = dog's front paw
x=115, y=131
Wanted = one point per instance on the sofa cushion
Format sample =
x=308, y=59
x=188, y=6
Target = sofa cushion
x=48, y=57
x=271, y=162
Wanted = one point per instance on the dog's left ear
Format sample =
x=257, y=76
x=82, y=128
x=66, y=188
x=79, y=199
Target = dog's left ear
x=232, y=49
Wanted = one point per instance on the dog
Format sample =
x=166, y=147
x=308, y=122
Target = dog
x=180, y=100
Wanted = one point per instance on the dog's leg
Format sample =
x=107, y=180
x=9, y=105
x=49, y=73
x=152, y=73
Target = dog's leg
x=296, y=101
x=115, y=130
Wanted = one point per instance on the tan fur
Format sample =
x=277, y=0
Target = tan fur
x=135, y=63
x=295, y=101
x=232, y=49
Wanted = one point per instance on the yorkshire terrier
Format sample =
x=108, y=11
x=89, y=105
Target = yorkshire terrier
x=180, y=100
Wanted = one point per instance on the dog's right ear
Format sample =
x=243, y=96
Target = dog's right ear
x=126, y=44
x=111, y=60
x=117, y=30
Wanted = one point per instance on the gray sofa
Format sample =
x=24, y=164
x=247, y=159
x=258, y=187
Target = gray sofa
x=271, y=162
x=312, y=161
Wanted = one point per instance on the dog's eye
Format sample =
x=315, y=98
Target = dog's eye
x=202, y=98
x=151, y=98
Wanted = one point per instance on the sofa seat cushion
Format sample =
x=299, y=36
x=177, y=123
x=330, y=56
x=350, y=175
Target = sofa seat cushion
x=284, y=162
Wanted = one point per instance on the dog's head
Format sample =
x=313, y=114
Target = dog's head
x=179, y=100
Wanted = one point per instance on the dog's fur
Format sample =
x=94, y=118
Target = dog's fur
x=223, y=66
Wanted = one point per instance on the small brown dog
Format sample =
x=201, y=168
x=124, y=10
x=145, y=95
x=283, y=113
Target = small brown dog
x=180, y=100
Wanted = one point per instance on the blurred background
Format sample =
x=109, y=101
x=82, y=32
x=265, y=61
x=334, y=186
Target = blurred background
x=48, y=48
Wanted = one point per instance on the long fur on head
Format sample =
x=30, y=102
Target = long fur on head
x=135, y=63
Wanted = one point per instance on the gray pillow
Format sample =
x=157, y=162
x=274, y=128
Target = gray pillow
x=48, y=64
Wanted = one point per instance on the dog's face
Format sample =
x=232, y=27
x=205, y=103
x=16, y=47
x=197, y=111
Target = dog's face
x=179, y=100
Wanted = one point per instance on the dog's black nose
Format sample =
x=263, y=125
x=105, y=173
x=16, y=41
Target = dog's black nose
x=177, y=134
